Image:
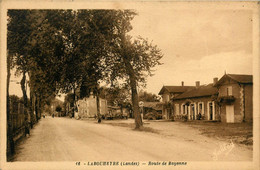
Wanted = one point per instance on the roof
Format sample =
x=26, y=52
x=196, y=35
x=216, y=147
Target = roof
x=154, y=105
x=238, y=78
x=241, y=78
x=175, y=89
x=201, y=91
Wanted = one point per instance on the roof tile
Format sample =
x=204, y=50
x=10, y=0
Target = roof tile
x=205, y=90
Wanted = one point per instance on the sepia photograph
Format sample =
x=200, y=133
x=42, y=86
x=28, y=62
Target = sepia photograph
x=136, y=85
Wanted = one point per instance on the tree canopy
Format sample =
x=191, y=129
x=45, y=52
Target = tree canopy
x=148, y=97
x=63, y=50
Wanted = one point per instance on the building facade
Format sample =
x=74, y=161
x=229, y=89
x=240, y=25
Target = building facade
x=197, y=104
x=87, y=107
x=228, y=100
x=168, y=93
x=236, y=98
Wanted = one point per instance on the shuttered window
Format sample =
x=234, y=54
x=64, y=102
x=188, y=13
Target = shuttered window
x=229, y=90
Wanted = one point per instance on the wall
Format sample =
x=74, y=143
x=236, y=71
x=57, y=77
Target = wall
x=103, y=106
x=204, y=100
x=248, y=102
x=236, y=93
x=166, y=97
x=88, y=107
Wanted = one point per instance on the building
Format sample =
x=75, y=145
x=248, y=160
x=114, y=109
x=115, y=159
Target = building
x=168, y=93
x=228, y=100
x=236, y=98
x=198, y=103
x=87, y=107
x=152, y=106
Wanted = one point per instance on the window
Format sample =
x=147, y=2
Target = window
x=229, y=91
x=166, y=97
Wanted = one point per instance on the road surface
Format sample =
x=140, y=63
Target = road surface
x=65, y=139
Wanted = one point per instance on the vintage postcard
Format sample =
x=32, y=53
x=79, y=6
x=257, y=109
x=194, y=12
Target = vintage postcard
x=129, y=85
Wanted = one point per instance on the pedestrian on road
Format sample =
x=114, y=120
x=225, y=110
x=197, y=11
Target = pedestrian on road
x=99, y=119
x=27, y=128
x=199, y=116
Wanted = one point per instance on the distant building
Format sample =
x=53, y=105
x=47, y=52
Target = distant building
x=87, y=107
x=152, y=106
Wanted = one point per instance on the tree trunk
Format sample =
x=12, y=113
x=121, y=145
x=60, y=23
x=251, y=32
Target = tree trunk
x=36, y=106
x=8, y=120
x=133, y=83
x=98, y=105
x=138, y=119
x=31, y=104
x=24, y=89
x=135, y=102
x=26, y=106
x=40, y=106
x=74, y=101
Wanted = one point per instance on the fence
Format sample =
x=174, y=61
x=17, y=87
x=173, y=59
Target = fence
x=17, y=119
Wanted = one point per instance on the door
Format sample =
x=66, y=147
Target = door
x=230, y=113
x=192, y=112
x=169, y=113
x=210, y=111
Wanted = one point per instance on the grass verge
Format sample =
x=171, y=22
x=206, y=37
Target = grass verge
x=240, y=133
x=132, y=126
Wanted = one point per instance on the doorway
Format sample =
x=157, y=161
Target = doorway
x=210, y=111
x=192, y=112
x=169, y=113
x=230, y=113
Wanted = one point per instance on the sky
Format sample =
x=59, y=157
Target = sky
x=198, y=44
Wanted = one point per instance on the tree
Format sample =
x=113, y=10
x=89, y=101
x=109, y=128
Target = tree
x=131, y=60
x=116, y=95
x=68, y=102
x=17, y=39
x=17, y=36
x=148, y=97
x=60, y=56
x=20, y=31
x=83, y=44
x=107, y=52
x=58, y=109
x=37, y=49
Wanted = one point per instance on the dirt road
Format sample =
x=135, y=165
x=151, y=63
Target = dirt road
x=65, y=139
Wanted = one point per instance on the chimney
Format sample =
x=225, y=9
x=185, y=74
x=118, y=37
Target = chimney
x=182, y=83
x=197, y=84
x=215, y=80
